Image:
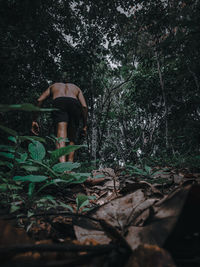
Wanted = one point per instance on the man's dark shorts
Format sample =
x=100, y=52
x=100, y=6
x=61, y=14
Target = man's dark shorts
x=70, y=112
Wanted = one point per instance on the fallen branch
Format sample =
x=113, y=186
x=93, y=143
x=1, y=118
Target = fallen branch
x=55, y=248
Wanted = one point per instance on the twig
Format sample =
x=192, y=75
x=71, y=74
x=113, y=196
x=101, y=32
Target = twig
x=77, y=259
x=107, y=228
x=55, y=247
x=51, y=213
x=114, y=182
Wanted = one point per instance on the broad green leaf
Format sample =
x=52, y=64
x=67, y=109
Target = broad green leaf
x=32, y=138
x=57, y=139
x=12, y=138
x=61, y=139
x=7, y=155
x=78, y=178
x=8, y=130
x=65, y=166
x=37, y=150
x=7, y=148
x=78, y=181
x=30, y=168
x=56, y=154
x=30, y=178
x=79, y=175
x=55, y=181
x=81, y=200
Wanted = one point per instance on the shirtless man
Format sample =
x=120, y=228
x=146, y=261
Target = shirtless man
x=71, y=105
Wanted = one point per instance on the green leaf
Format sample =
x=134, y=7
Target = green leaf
x=8, y=130
x=44, y=166
x=66, y=206
x=157, y=172
x=81, y=201
x=23, y=157
x=98, y=176
x=14, y=208
x=30, y=225
x=65, y=166
x=13, y=139
x=29, y=214
x=23, y=107
x=87, y=209
x=79, y=177
x=55, y=181
x=31, y=188
x=50, y=198
x=7, y=148
x=56, y=154
x=7, y=155
x=138, y=171
x=6, y=163
x=30, y=178
x=30, y=168
x=3, y=187
x=147, y=169
x=14, y=187
x=37, y=150
x=32, y=138
x=92, y=197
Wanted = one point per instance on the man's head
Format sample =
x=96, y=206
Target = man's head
x=64, y=76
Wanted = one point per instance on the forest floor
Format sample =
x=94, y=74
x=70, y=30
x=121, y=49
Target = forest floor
x=131, y=220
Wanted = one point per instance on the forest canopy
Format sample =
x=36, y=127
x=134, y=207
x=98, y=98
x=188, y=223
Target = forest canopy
x=137, y=63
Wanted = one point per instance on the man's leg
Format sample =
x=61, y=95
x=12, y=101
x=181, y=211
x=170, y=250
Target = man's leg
x=72, y=129
x=61, y=132
x=71, y=154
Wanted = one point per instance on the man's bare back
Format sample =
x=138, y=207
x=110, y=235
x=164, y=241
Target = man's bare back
x=65, y=89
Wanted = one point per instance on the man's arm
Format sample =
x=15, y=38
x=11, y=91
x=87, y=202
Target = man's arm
x=40, y=100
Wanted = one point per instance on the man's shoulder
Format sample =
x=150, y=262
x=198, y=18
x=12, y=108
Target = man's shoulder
x=72, y=85
x=57, y=84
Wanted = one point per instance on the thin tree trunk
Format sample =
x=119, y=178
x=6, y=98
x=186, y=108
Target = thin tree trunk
x=164, y=100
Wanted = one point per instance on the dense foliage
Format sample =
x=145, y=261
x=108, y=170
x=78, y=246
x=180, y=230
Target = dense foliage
x=137, y=63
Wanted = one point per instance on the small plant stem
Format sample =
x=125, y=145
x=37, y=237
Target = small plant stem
x=12, y=172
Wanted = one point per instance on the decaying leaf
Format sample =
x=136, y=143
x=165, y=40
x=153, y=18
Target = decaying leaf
x=150, y=256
